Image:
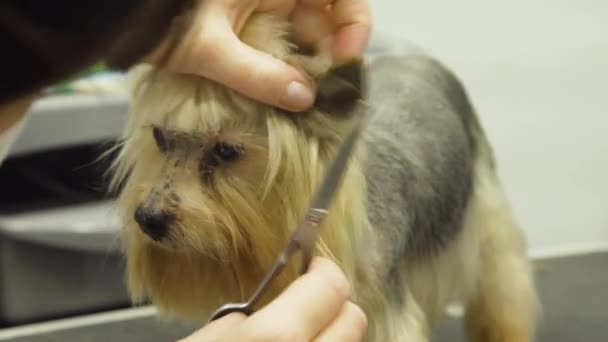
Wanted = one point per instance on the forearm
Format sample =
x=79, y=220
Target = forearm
x=12, y=112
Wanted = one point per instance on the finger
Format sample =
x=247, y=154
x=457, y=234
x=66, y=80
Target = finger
x=311, y=25
x=353, y=20
x=216, y=330
x=253, y=73
x=308, y=305
x=349, y=326
x=316, y=3
x=280, y=8
x=238, y=11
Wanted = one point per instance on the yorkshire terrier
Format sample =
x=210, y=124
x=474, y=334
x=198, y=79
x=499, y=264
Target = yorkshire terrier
x=212, y=184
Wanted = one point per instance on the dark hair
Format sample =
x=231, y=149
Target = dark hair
x=44, y=42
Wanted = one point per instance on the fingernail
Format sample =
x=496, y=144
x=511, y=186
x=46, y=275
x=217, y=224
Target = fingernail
x=297, y=96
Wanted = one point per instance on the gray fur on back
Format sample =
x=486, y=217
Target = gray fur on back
x=420, y=151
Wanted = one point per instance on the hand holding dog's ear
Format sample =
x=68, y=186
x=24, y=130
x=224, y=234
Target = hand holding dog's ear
x=315, y=307
x=347, y=23
x=211, y=47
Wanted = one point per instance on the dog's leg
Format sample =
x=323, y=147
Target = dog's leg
x=503, y=307
x=397, y=320
x=415, y=327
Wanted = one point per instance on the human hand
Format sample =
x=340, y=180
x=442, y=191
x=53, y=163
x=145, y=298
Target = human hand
x=315, y=307
x=217, y=53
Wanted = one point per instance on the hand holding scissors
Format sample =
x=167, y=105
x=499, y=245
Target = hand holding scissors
x=306, y=234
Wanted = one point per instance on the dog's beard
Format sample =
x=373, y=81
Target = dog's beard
x=223, y=251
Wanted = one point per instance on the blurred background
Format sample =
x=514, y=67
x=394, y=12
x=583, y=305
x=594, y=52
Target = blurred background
x=536, y=72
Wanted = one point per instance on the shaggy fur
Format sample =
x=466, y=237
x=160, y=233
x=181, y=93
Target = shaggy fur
x=212, y=184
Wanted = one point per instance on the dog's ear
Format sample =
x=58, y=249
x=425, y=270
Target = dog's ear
x=340, y=88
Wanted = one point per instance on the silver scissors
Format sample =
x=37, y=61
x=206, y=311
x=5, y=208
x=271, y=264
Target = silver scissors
x=305, y=236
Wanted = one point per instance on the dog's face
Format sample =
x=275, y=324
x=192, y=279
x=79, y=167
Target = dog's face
x=212, y=183
x=221, y=175
x=201, y=189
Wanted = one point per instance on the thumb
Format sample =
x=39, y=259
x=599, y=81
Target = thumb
x=254, y=73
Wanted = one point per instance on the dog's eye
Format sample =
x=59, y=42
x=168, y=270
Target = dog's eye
x=228, y=152
x=160, y=139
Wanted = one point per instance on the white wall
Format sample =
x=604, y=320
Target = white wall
x=538, y=73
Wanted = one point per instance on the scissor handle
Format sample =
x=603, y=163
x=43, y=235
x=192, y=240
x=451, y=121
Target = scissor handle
x=226, y=309
x=247, y=307
x=303, y=240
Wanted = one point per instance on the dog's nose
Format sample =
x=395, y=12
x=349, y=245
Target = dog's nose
x=154, y=222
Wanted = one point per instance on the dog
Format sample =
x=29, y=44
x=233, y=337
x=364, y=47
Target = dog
x=212, y=183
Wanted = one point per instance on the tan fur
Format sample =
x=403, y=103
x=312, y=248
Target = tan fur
x=486, y=269
x=504, y=306
x=502, y=303
x=236, y=230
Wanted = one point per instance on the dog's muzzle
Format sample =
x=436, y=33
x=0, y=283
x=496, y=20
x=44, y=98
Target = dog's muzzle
x=154, y=222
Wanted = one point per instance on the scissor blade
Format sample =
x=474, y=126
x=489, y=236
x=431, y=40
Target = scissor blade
x=335, y=172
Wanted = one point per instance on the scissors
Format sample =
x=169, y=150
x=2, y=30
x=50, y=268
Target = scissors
x=305, y=236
